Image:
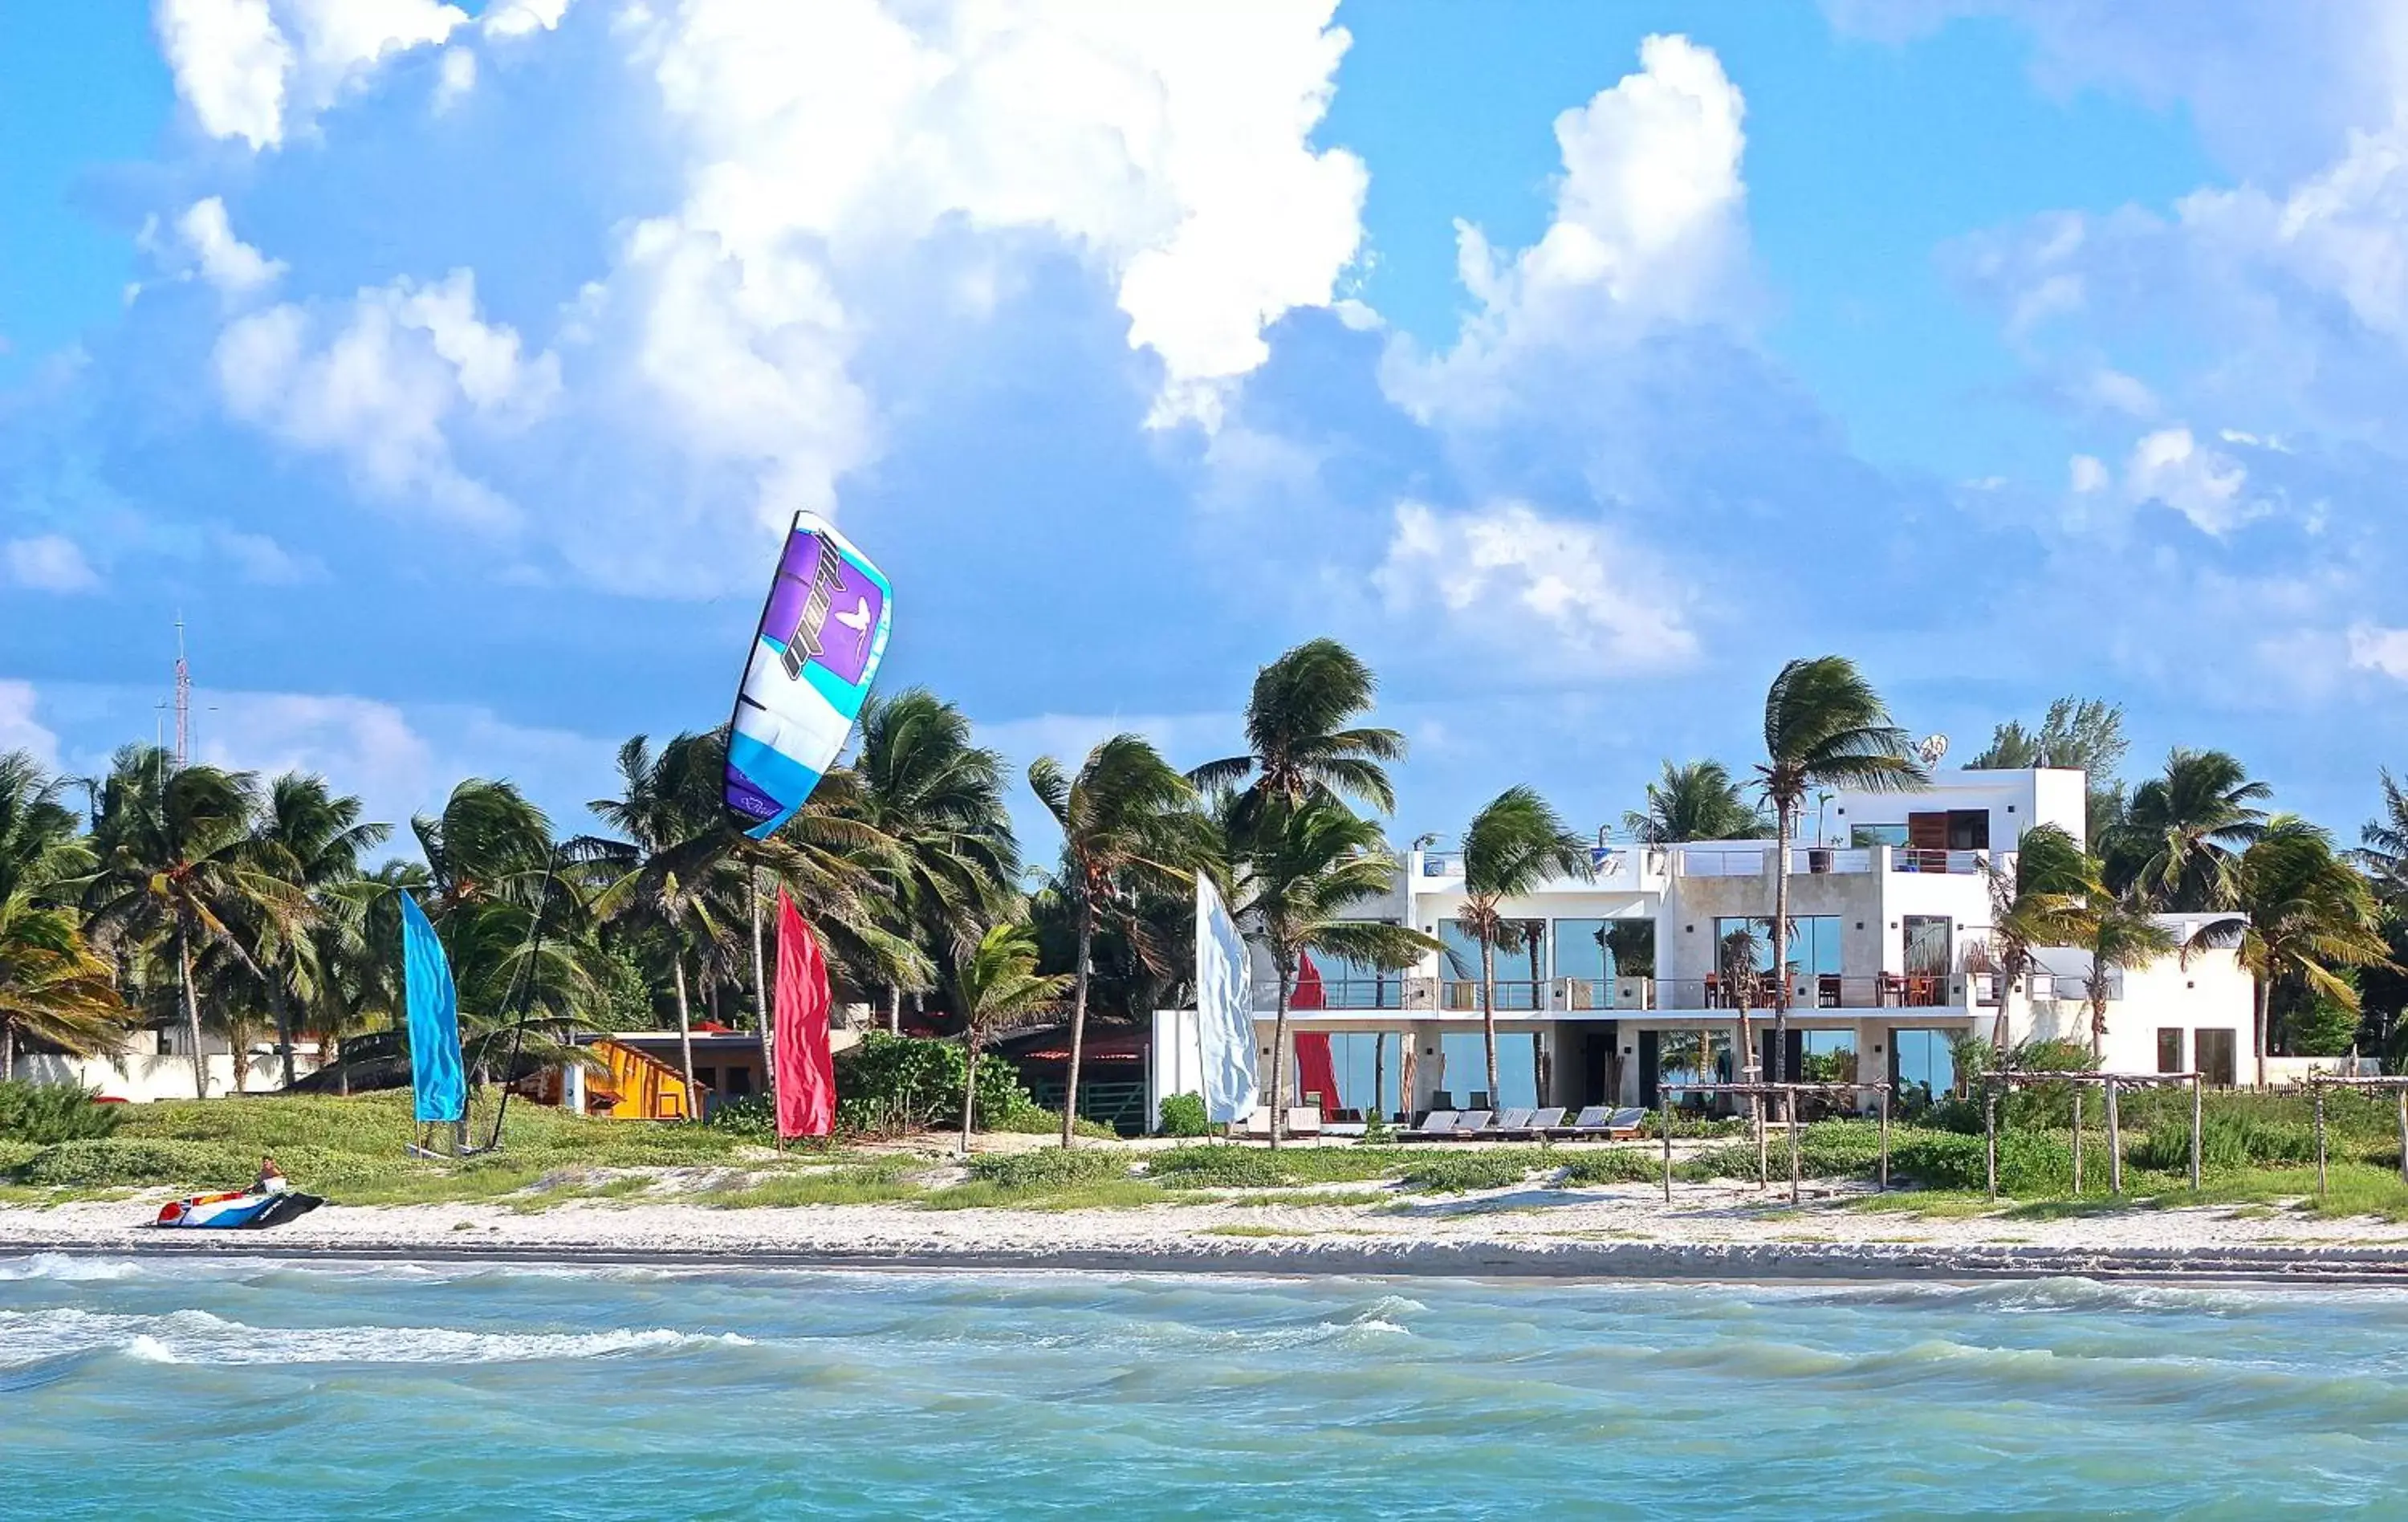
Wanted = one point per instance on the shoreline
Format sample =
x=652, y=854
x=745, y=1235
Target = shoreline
x=872, y=1238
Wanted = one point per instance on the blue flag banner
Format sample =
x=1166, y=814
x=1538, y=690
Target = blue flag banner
x=441, y=1087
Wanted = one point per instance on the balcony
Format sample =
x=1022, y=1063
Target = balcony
x=1428, y=997
x=1831, y=991
x=1612, y=870
x=1822, y=860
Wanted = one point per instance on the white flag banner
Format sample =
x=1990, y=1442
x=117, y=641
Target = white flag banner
x=1225, y=1014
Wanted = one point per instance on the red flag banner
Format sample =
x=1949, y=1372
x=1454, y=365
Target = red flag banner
x=806, y=1073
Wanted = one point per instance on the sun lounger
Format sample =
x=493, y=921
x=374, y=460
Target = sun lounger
x=1436, y=1125
x=1473, y=1125
x=1514, y=1122
x=1304, y=1120
x=1596, y=1123
x=1543, y=1121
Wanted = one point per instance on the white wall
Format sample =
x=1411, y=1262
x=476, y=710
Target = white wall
x=2016, y=800
x=148, y=1077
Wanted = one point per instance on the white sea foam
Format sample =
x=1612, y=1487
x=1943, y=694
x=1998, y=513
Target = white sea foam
x=69, y=1268
x=197, y=1337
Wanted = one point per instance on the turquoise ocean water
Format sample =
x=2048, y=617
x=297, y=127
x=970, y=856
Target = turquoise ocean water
x=268, y=1390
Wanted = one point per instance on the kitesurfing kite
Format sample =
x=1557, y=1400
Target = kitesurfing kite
x=822, y=633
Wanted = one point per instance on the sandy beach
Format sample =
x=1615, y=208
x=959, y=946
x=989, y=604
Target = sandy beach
x=1710, y=1231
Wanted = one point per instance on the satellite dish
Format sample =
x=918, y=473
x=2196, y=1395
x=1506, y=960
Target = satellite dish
x=1931, y=749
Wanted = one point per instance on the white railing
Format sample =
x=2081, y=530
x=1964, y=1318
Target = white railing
x=1722, y=861
x=1816, y=860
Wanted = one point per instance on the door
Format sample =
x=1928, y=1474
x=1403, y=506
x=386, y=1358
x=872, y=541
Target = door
x=2215, y=1049
x=1926, y=959
x=1648, y=1068
x=1795, y=1064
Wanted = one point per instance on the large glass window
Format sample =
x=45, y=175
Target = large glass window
x=1922, y=1067
x=1466, y=1073
x=1693, y=1056
x=1828, y=1057
x=1368, y=1066
x=1592, y=957
x=2215, y=1057
x=1862, y=836
x=1346, y=985
x=1814, y=941
x=1518, y=964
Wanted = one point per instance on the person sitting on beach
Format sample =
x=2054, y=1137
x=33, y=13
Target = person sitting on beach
x=271, y=1178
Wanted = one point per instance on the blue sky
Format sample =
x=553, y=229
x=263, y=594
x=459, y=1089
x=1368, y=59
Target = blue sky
x=448, y=370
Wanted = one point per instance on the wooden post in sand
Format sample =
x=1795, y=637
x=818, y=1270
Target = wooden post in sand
x=1664, y=1120
x=2199, y=1113
x=1884, y=1141
x=1790, y=1114
x=1990, y=1133
x=2403, y=1135
x=2115, y=1144
x=2077, y=1140
x=2319, y=1091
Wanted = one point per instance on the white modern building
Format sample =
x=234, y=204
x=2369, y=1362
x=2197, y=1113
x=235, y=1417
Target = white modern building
x=1633, y=979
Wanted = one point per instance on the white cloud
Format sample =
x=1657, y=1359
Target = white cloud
x=263, y=562
x=2375, y=648
x=1649, y=227
x=2088, y=474
x=457, y=79
x=18, y=729
x=521, y=18
x=2202, y=484
x=230, y=62
x=405, y=366
x=255, y=68
x=226, y=261
x=1543, y=591
x=1170, y=143
x=49, y=563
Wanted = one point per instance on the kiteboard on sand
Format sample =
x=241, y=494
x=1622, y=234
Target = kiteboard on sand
x=238, y=1210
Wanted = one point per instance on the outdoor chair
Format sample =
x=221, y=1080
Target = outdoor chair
x=1473, y=1125
x=1436, y=1125
x=1443, y=1099
x=1544, y=1121
x=1588, y=1122
x=1627, y=1122
x=1304, y=1120
x=1514, y=1122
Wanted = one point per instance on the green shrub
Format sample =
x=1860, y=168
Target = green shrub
x=2227, y=1139
x=48, y=1112
x=1183, y=1115
x=2029, y=1162
x=754, y=1117
x=1456, y=1172
x=1033, y=1119
x=1050, y=1167
x=1614, y=1165
x=886, y=1084
x=120, y=1162
x=1258, y=1168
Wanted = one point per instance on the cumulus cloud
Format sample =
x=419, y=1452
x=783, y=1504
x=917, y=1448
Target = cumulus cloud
x=18, y=729
x=255, y=69
x=521, y=18
x=1548, y=591
x=399, y=369
x=2375, y=648
x=2203, y=484
x=1648, y=228
x=49, y=563
x=225, y=261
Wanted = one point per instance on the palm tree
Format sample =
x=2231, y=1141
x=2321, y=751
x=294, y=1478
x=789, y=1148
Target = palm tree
x=52, y=989
x=939, y=798
x=1298, y=868
x=2045, y=899
x=1303, y=738
x=2121, y=936
x=1695, y=801
x=676, y=834
x=1824, y=724
x=1000, y=989
x=1128, y=823
x=180, y=867
x=1516, y=843
x=312, y=839
x=2183, y=832
x=2383, y=844
x=2309, y=914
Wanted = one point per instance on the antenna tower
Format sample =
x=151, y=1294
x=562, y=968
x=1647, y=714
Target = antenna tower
x=183, y=698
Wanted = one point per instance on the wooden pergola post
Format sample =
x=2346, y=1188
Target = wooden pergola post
x=1663, y=1114
x=2198, y=1120
x=1883, y=1181
x=2403, y=1136
x=1792, y=1117
x=2077, y=1140
x=2115, y=1144
x=2318, y=1090
x=1990, y=1133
